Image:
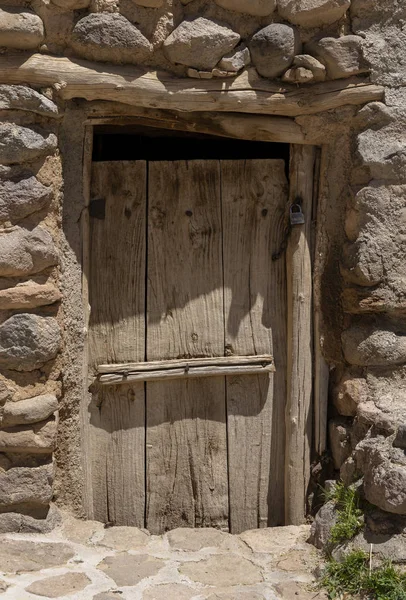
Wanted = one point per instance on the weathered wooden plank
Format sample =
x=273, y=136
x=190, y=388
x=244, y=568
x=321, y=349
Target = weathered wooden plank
x=190, y=373
x=186, y=431
x=299, y=339
x=117, y=333
x=254, y=198
x=262, y=360
x=134, y=86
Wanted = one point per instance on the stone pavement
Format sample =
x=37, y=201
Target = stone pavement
x=85, y=561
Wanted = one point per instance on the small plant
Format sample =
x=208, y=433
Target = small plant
x=353, y=577
x=350, y=518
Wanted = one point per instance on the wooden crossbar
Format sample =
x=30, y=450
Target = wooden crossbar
x=190, y=368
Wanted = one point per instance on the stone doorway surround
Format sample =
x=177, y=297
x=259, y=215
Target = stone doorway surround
x=48, y=104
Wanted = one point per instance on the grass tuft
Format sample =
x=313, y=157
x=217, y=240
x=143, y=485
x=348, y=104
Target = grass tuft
x=350, y=518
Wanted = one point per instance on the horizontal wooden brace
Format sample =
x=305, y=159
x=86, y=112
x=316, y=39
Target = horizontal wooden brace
x=177, y=369
x=246, y=93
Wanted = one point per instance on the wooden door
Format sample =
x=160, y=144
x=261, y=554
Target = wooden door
x=181, y=277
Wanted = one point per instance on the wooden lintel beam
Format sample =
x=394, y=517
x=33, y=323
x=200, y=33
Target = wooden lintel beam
x=246, y=93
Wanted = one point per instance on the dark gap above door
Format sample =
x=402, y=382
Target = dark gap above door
x=147, y=143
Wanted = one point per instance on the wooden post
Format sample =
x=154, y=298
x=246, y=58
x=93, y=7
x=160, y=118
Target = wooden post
x=299, y=339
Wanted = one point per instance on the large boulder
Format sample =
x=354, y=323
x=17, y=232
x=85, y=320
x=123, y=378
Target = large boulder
x=23, y=252
x=26, y=485
x=343, y=57
x=28, y=341
x=31, y=410
x=110, y=37
x=200, y=43
x=370, y=346
x=20, y=97
x=273, y=49
x=312, y=13
x=21, y=197
x=258, y=8
x=20, y=28
x=20, y=144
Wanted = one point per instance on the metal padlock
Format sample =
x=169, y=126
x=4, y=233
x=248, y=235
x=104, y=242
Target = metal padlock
x=296, y=216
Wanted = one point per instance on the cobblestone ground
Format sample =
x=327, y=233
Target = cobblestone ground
x=85, y=561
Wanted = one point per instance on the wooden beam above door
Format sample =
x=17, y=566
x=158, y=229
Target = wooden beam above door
x=246, y=93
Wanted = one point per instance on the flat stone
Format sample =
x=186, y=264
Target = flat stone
x=312, y=64
x=273, y=49
x=193, y=540
x=200, y=43
x=28, y=341
x=40, y=438
x=31, y=410
x=20, y=28
x=20, y=97
x=235, y=594
x=130, y=569
x=81, y=531
x=20, y=198
x=343, y=57
x=19, y=556
x=170, y=590
x=223, y=570
x=20, y=144
x=25, y=252
x=292, y=590
x=313, y=13
x=275, y=539
x=110, y=37
x=369, y=346
x=59, y=585
x=258, y=8
x=11, y=522
x=108, y=596
x=294, y=561
x=236, y=59
x=124, y=538
x=29, y=294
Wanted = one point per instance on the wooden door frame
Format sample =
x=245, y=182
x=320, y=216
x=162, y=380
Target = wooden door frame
x=307, y=373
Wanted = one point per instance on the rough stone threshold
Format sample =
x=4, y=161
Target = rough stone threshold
x=85, y=561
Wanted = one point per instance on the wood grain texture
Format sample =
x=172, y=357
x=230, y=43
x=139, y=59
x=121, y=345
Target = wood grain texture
x=134, y=86
x=186, y=433
x=117, y=333
x=254, y=198
x=261, y=360
x=299, y=340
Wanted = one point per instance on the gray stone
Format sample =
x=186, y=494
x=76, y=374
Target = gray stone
x=124, y=538
x=274, y=539
x=130, y=569
x=28, y=341
x=223, y=570
x=23, y=252
x=193, y=540
x=322, y=525
x=369, y=346
x=312, y=64
x=313, y=13
x=258, y=8
x=274, y=48
x=236, y=59
x=31, y=410
x=343, y=57
x=340, y=440
x=200, y=43
x=38, y=439
x=11, y=522
x=19, y=144
x=170, y=590
x=362, y=261
x=20, y=198
x=110, y=37
x=108, y=596
x=29, y=294
x=350, y=392
x=384, y=546
x=59, y=585
x=384, y=152
x=400, y=439
x=19, y=556
x=20, y=97
x=26, y=486
x=20, y=28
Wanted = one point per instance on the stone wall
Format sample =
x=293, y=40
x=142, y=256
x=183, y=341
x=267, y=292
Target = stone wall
x=362, y=220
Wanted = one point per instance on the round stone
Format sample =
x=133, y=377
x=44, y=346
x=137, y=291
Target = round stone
x=273, y=49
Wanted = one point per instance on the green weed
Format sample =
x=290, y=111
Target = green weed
x=350, y=517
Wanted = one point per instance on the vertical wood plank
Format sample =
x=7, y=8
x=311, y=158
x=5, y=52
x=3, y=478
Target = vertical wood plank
x=186, y=430
x=299, y=340
x=117, y=333
x=254, y=198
